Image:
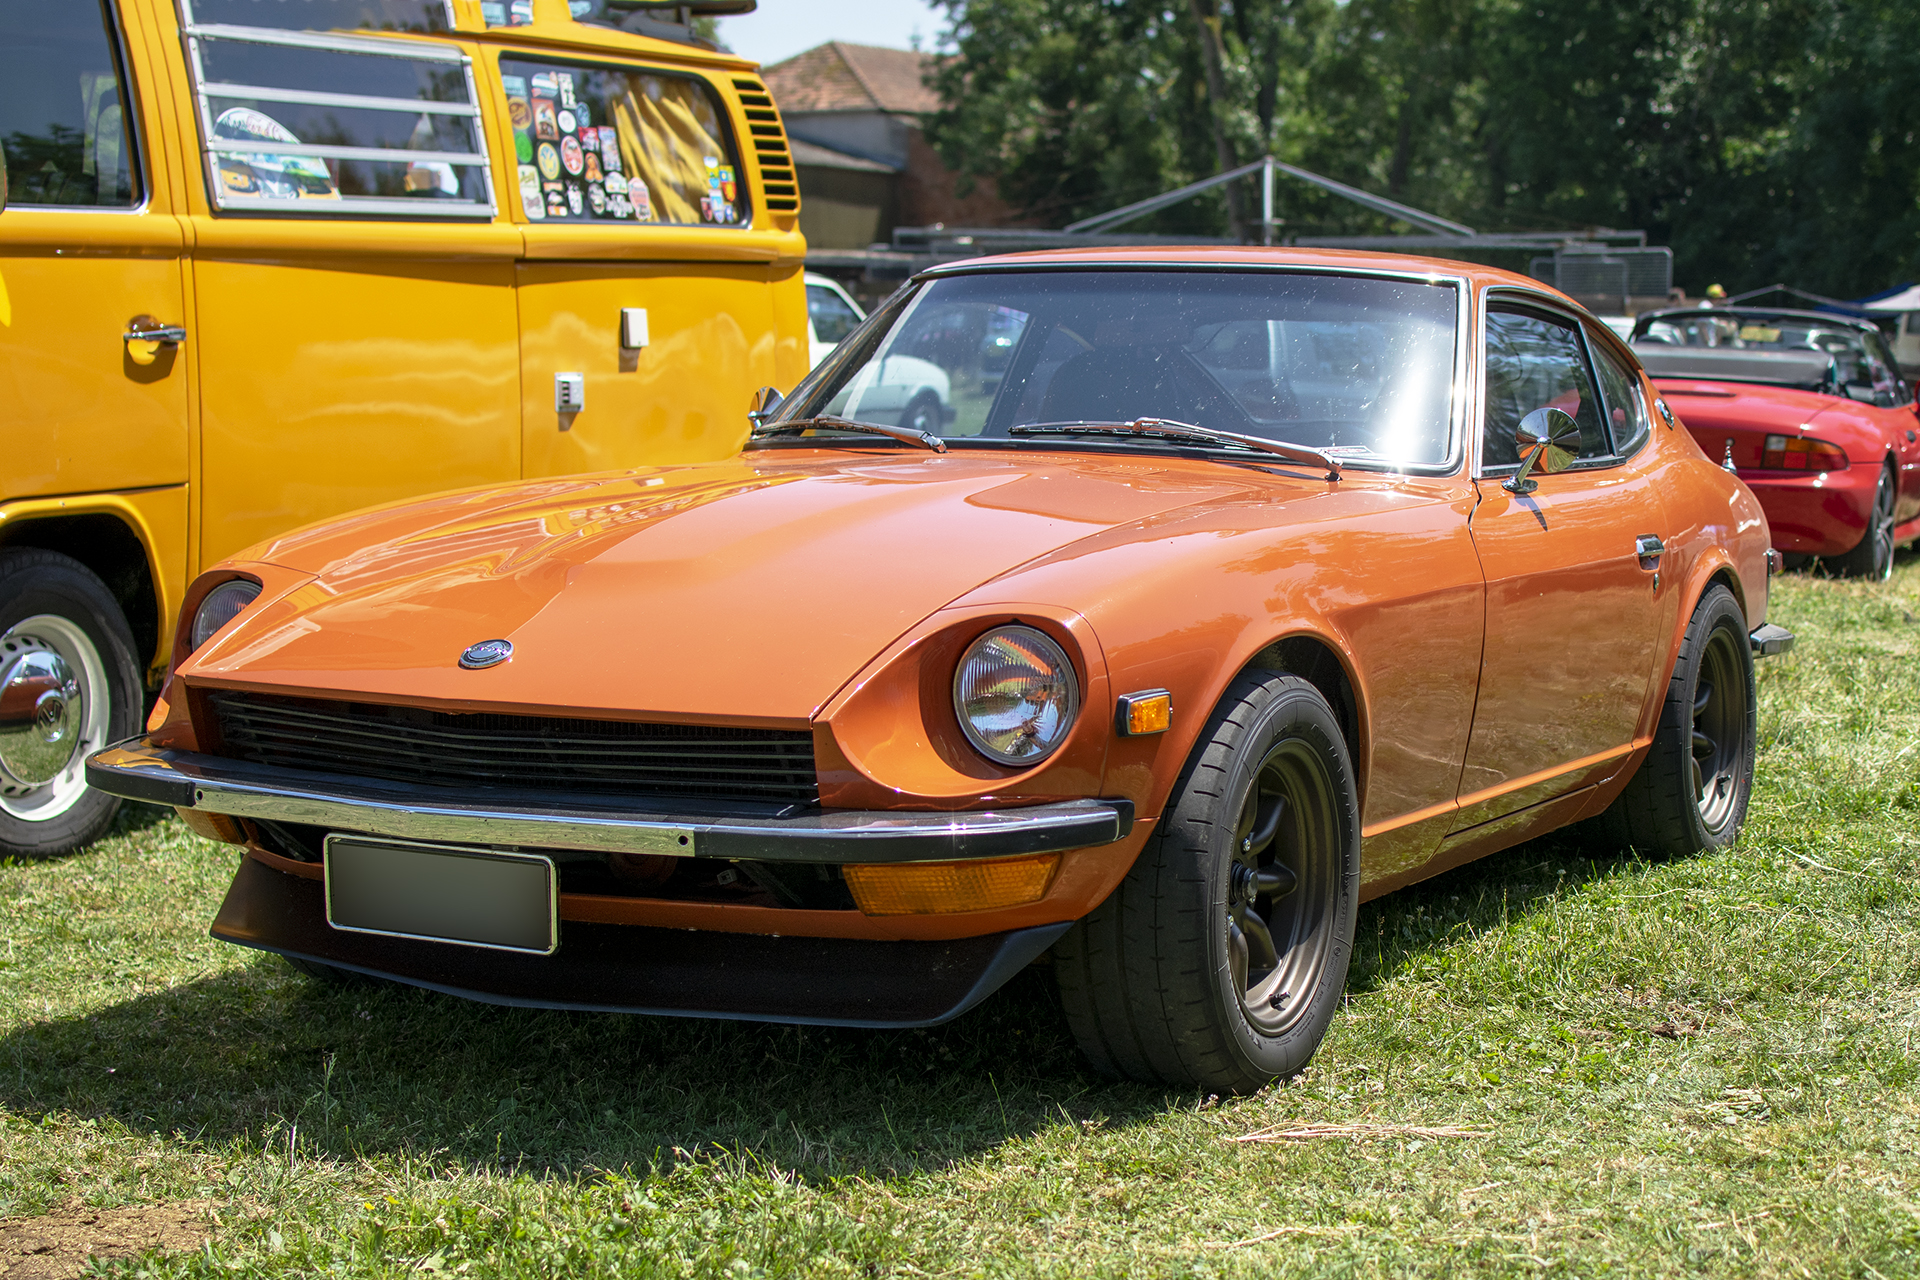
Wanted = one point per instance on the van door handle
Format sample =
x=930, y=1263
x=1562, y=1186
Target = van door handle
x=1649, y=547
x=147, y=329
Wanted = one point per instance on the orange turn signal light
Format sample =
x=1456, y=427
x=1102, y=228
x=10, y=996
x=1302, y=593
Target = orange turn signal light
x=1148, y=712
x=214, y=826
x=933, y=888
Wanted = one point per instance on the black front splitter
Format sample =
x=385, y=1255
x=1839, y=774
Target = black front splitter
x=845, y=982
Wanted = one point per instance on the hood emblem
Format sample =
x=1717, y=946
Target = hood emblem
x=487, y=653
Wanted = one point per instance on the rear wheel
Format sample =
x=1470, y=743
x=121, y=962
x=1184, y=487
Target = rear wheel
x=1221, y=958
x=1873, y=558
x=1690, y=794
x=923, y=414
x=69, y=685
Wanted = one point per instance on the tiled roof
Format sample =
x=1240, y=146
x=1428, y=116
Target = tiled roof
x=838, y=76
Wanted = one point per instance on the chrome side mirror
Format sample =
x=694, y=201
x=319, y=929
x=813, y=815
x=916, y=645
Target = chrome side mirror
x=766, y=403
x=1547, y=439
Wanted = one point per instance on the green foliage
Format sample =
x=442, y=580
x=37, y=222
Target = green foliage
x=1767, y=141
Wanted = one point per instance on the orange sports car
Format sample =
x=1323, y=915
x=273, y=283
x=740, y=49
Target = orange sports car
x=1246, y=585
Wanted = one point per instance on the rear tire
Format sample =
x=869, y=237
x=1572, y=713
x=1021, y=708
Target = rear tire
x=1872, y=559
x=1690, y=793
x=1221, y=958
x=57, y=617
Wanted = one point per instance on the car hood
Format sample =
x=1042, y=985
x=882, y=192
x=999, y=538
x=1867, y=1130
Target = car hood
x=745, y=591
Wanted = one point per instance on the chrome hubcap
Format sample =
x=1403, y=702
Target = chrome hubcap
x=53, y=714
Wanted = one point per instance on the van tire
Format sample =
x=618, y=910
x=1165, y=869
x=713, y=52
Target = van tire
x=51, y=603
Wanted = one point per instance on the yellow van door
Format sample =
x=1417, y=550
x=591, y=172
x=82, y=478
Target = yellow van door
x=646, y=307
x=87, y=256
x=678, y=398
x=359, y=342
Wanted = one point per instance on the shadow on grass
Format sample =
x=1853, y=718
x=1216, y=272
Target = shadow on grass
x=261, y=1055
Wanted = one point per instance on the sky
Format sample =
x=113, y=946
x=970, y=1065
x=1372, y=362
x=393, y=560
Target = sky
x=778, y=29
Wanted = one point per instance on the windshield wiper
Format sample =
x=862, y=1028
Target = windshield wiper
x=1167, y=429
x=830, y=422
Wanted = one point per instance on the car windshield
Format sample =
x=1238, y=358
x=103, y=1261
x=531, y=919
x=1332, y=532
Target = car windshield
x=1360, y=366
x=1864, y=365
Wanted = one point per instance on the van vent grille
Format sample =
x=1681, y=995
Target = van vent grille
x=769, y=147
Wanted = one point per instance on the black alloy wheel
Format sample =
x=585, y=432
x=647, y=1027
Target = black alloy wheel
x=1282, y=886
x=1720, y=745
x=1872, y=559
x=1221, y=958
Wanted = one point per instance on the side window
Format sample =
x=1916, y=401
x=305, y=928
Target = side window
x=1534, y=362
x=1627, y=415
x=326, y=124
x=64, y=107
x=608, y=144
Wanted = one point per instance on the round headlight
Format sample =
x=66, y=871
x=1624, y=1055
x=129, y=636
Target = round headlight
x=221, y=606
x=1016, y=695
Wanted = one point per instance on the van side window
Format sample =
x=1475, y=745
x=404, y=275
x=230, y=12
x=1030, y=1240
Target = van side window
x=324, y=124
x=327, y=15
x=64, y=107
x=612, y=144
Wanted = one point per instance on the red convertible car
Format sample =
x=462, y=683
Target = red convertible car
x=1810, y=410
x=1239, y=586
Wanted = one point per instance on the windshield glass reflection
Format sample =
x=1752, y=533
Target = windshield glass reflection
x=1355, y=365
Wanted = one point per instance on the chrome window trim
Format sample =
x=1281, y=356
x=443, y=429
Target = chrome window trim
x=1460, y=407
x=1493, y=295
x=408, y=47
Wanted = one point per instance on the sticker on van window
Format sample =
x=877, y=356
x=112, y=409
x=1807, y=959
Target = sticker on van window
x=549, y=160
x=530, y=198
x=520, y=111
x=257, y=174
x=664, y=136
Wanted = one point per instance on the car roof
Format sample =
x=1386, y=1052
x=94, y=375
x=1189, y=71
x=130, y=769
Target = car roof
x=1787, y=313
x=1255, y=256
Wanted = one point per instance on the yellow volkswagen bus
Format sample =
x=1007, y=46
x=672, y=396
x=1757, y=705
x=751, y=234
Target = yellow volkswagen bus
x=266, y=261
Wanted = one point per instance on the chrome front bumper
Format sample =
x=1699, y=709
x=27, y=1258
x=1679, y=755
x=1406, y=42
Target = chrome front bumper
x=1768, y=640
x=138, y=770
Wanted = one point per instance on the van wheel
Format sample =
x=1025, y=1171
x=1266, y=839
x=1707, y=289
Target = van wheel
x=1872, y=559
x=69, y=685
x=923, y=414
x=1221, y=958
x=1690, y=793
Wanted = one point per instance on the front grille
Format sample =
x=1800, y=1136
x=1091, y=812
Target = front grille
x=543, y=753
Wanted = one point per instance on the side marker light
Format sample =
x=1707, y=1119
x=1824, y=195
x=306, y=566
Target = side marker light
x=1150, y=711
x=935, y=888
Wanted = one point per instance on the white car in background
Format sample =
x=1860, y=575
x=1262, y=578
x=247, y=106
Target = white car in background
x=897, y=390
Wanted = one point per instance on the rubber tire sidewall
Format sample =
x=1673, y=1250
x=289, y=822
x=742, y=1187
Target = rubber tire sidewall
x=1658, y=811
x=1145, y=978
x=34, y=582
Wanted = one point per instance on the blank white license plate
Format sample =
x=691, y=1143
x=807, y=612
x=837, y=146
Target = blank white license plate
x=474, y=897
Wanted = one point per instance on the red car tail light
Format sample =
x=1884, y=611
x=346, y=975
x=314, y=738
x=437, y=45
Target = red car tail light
x=1793, y=453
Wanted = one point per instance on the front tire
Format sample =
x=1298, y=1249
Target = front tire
x=1221, y=958
x=1690, y=794
x=1872, y=559
x=69, y=685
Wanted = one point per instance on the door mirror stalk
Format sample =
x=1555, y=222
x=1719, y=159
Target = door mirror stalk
x=766, y=403
x=1546, y=438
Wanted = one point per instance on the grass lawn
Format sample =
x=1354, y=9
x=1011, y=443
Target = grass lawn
x=1549, y=1061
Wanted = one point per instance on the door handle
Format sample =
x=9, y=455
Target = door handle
x=147, y=329
x=1648, y=547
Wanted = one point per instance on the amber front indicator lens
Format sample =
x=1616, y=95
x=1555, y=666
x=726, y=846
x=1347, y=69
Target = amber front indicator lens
x=1794, y=453
x=933, y=888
